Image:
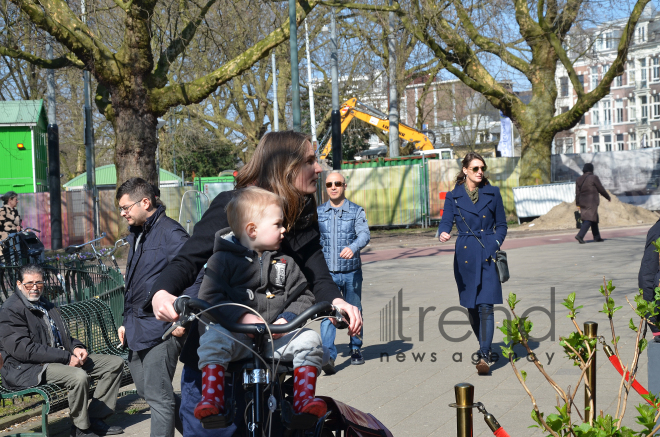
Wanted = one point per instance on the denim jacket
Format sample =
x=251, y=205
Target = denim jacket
x=347, y=227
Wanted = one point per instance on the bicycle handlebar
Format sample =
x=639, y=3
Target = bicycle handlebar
x=74, y=249
x=185, y=306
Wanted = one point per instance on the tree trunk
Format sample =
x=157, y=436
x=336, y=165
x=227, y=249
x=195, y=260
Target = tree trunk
x=535, y=168
x=136, y=140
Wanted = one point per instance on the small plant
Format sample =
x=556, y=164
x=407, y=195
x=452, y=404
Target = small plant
x=581, y=349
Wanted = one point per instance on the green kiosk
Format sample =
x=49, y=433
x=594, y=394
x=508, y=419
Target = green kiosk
x=23, y=146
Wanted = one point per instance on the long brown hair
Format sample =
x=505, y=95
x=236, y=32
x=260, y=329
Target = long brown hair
x=461, y=177
x=275, y=166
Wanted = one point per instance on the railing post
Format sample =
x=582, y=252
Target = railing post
x=591, y=331
x=464, y=400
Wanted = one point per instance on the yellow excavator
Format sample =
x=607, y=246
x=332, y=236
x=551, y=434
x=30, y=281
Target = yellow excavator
x=354, y=109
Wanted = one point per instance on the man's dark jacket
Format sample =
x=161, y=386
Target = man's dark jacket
x=649, y=271
x=27, y=342
x=161, y=240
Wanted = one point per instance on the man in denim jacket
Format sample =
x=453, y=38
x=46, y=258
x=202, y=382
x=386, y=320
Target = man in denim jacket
x=344, y=232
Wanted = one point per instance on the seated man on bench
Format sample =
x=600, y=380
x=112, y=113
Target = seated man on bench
x=37, y=349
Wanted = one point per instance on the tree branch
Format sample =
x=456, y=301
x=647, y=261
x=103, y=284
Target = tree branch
x=177, y=46
x=199, y=89
x=68, y=60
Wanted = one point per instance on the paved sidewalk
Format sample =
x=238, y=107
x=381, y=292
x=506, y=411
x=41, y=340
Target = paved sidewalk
x=410, y=392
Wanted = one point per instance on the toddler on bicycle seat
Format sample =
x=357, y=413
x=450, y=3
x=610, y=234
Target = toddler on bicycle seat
x=247, y=268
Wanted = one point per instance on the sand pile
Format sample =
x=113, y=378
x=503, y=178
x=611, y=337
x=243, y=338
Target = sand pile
x=610, y=214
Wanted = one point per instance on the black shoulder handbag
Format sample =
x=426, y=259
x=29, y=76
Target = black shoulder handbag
x=501, y=262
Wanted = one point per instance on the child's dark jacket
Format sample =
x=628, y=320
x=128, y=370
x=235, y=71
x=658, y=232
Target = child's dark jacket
x=236, y=274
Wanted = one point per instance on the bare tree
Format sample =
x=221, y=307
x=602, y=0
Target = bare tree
x=530, y=38
x=133, y=49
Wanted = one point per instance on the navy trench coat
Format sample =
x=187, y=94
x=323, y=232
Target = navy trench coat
x=474, y=266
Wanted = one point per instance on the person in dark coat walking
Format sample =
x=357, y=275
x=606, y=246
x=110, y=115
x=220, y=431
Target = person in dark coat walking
x=37, y=348
x=478, y=211
x=154, y=240
x=588, y=190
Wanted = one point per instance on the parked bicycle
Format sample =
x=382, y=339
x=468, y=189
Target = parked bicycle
x=268, y=382
x=23, y=247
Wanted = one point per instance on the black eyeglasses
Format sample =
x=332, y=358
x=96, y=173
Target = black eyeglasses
x=337, y=184
x=476, y=169
x=128, y=207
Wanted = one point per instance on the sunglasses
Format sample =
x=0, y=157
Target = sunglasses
x=337, y=184
x=476, y=169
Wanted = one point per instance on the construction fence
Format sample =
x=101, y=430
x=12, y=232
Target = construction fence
x=395, y=195
x=77, y=213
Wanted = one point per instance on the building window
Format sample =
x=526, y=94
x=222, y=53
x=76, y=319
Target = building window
x=607, y=113
x=559, y=146
x=618, y=81
x=643, y=83
x=643, y=101
x=595, y=141
x=656, y=138
x=563, y=109
x=583, y=144
x=609, y=40
x=568, y=145
x=632, y=110
x=641, y=34
x=656, y=69
x=595, y=119
x=619, y=141
x=632, y=141
x=582, y=120
x=594, y=77
x=581, y=80
x=618, y=110
x=631, y=72
x=563, y=86
x=445, y=138
x=608, y=142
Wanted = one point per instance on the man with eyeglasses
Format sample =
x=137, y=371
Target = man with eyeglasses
x=37, y=349
x=154, y=240
x=344, y=233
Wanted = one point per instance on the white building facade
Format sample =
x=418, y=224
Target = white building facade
x=628, y=118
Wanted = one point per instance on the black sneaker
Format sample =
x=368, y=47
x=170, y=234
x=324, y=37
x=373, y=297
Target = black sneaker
x=102, y=428
x=329, y=368
x=356, y=357
x=77, y=432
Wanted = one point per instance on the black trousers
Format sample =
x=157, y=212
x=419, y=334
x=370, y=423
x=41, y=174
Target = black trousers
x=586, y=224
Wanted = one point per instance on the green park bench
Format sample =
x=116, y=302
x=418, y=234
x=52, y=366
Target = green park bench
x=91, y=322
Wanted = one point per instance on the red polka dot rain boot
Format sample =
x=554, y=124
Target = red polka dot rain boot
x=213, y=396
x=304, y=389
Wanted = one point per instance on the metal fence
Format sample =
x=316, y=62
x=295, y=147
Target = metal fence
x=74, y=281
x=77, y=207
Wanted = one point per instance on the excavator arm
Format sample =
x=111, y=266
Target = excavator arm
x=349, y=110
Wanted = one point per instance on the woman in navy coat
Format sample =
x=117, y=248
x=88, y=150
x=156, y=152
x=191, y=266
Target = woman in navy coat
x=476, y=204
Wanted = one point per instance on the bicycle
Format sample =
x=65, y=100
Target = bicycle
x=22, y=247
x=261, y=375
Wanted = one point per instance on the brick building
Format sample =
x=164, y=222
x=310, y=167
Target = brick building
x=628, y=117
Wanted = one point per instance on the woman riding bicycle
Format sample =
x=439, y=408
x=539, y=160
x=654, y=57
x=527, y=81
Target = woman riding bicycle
x=10, y=220
x=285, y=164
